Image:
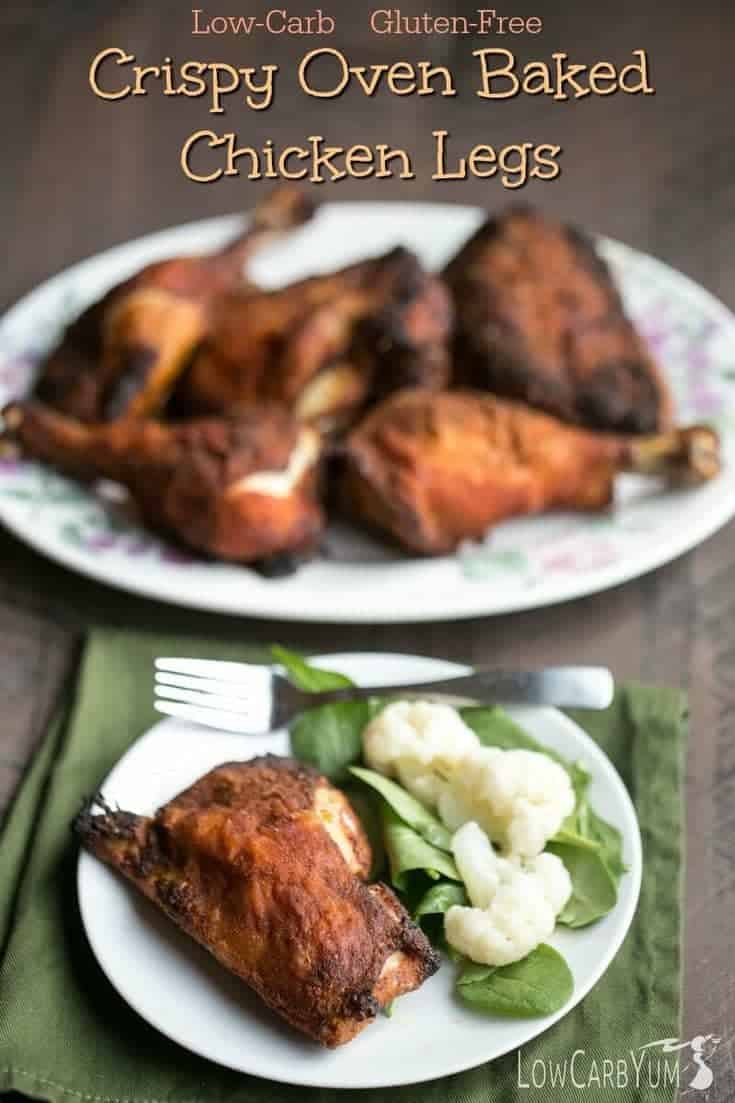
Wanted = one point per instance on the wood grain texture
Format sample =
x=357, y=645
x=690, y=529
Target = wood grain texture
x=80, y=175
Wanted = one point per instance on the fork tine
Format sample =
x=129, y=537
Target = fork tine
x=213, y=668
x=225, y=721
x=241, y=706
x=242, y=689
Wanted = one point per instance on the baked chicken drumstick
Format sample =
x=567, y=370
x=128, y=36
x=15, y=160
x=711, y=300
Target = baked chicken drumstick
x=123, y=354
x=241, y=488
x=326, y=344
x=431, y=470
x=263, y=863
x=539, y=319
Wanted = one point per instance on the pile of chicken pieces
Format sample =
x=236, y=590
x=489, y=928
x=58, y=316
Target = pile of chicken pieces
x=424, y=407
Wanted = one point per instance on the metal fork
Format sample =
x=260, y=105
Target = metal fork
x=252, y=699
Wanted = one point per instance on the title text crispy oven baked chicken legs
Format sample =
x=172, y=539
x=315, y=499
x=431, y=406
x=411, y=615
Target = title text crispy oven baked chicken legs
x=124, y=353
x=241, y=488
x=431, y=470
x=263, y=863
x=540, y=319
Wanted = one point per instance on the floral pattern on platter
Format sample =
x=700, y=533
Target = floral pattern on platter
x=691, y=334
x=95, y=522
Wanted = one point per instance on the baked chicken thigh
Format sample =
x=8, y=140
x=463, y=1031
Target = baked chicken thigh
x=241, y=488
x=327, y=344
x=539, y=319
x=431, y=470
x=263, y=863
x=124, y=353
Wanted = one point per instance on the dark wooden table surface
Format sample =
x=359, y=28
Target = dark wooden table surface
x=79, y=175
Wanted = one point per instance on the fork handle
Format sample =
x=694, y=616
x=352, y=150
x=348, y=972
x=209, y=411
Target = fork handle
x=587, y=687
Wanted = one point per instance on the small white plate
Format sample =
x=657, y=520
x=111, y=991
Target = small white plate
x=522, y=564
x=180, y=990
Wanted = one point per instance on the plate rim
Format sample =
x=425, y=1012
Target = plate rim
x=87, y=864
x=486, y=599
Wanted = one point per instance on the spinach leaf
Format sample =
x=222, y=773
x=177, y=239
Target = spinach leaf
x=430, y=910
x=410, y=810
x=580, y=778
x=367, y=807
x=440, y=898
x=538, y=985
x=594, y=891
x=408, y=851
x=575, y=825
x=610, y=842
x=495, y=728
x=330, y=737
x=591, y=849
x=570, y=837
x=310, y=678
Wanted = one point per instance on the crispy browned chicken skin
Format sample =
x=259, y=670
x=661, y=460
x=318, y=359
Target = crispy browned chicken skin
x=325, y=345
x=124, y=353
x=539, y=319
x=431, y=470
x=262, y=863
x=241, y=488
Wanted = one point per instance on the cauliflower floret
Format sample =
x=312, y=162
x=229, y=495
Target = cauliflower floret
x=420, y=743
x=452, y=812
x=555, y=876
x=520, y=798
x=481, y=869
x=514, y=907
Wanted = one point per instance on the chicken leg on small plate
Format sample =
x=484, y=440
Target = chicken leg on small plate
x=431, y=470
x=243, y=488
x=263, y=863
x=540, y=319
x=124, y=353
x=325, y=345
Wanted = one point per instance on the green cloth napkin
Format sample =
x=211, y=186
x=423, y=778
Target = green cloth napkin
x=65, y=1034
